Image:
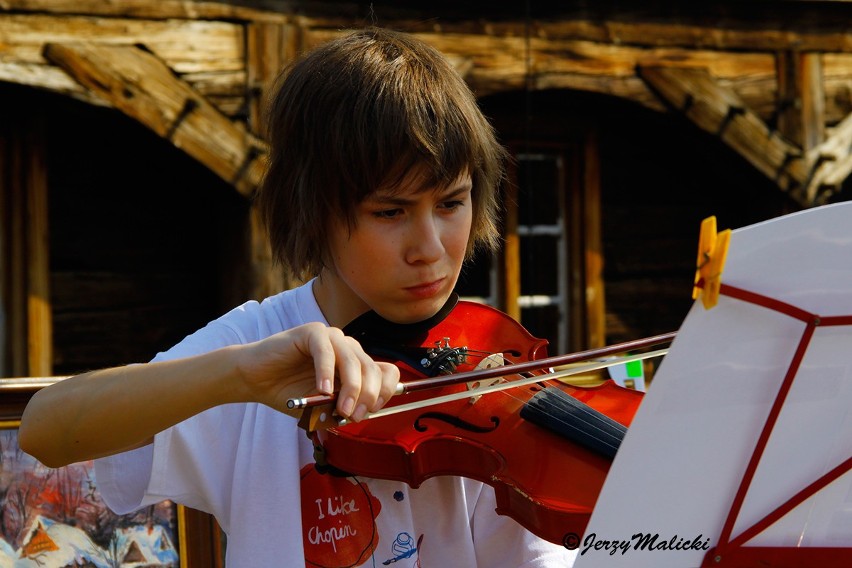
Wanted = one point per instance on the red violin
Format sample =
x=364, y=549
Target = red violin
x=545, y=447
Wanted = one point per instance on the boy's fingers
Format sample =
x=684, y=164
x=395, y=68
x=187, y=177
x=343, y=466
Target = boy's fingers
x=322, y=350
x=370, y=384
x=349, y=369
x=389, y=380
x=365, y=385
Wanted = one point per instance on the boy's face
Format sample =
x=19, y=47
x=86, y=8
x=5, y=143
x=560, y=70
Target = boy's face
x=403, y=256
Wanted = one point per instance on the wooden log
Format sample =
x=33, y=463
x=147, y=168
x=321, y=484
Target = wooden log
x=161, y=9
x=801, y=113
x=186, y=46
x=269, y=48
x=209, y=55
x=806, y=28
x=721, y=112
x=825, y=28
x=144, y=88
x=833, y=162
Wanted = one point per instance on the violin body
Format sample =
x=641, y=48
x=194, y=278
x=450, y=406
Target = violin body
x=544, y=481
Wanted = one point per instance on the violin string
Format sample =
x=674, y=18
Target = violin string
x=584, y=415
x=585, y=420
x=584, y=368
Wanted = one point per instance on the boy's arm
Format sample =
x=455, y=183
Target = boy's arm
x=112, y=410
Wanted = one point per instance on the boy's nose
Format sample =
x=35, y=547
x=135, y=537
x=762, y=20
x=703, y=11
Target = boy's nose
x=424, y=242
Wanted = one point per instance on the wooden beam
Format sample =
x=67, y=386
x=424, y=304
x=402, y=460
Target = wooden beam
x=801, y=112
x=726, y=33
x=161, y=9
x=767, y=33
x=209, y=55
x=143, y=87
x=824, y=28
x=833, y=162
x=214, y=57
x=721, y=112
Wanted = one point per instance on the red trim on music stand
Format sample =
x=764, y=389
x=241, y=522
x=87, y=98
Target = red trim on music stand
x=732, y=552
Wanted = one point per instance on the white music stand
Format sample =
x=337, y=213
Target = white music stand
x=742, y=447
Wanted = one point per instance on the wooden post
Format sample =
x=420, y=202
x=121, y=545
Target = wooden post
x=39, y=314
x=801, y=117
x=510, y=279
x=270, y=46
x=26, y=269
x=594, y=257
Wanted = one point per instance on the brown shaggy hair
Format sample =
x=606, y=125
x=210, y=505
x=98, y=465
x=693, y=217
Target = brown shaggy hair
x=360, y=113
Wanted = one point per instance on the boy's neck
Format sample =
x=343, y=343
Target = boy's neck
x=373, y=326
x=337, y=303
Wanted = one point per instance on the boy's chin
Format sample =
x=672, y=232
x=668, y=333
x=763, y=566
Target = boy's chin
x=416, y=313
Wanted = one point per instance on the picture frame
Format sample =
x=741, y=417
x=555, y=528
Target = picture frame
x=56, y=517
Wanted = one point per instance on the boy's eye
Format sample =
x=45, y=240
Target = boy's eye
x=387, y=213
x=455, y=204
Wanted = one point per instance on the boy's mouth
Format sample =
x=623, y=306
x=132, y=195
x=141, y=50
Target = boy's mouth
x=427, y=289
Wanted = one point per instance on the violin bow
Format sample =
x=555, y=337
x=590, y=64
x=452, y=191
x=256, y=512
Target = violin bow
x=502, y=371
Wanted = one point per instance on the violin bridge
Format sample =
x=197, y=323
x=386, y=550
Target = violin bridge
x=489, y=362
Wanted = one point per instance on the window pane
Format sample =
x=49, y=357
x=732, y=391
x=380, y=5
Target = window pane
x=543, y=322
x=539, y=266
x=538, y=183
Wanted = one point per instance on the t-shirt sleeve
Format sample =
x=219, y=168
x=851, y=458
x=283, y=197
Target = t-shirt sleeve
x=196, y=449
x=189, y=463
x=123, y=478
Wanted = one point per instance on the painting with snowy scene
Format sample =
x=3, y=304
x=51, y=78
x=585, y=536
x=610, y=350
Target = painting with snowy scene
x=55, y=518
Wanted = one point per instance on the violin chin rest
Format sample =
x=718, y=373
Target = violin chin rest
x=321, y=463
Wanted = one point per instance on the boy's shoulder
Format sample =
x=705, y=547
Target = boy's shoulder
x=250, y=322
x=275, y=313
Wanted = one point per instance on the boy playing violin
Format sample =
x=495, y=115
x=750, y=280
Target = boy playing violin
x=382, y=180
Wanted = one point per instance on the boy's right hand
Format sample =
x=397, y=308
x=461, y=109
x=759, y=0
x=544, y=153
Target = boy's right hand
x=309, y=358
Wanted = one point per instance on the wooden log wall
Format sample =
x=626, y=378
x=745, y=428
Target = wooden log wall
x=222, y=57
x=577, y=54
x=145, y=244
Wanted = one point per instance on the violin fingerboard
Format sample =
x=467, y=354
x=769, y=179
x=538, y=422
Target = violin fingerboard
x=559, y=412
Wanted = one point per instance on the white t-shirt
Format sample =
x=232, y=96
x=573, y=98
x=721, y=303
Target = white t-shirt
x=247, y=464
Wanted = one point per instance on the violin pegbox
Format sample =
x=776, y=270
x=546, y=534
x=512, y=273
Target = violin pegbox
x=443, y=358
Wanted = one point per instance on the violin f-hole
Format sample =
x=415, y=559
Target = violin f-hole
x=455, y=421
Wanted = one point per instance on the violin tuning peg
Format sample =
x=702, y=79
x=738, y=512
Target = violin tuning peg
x=712, y=253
